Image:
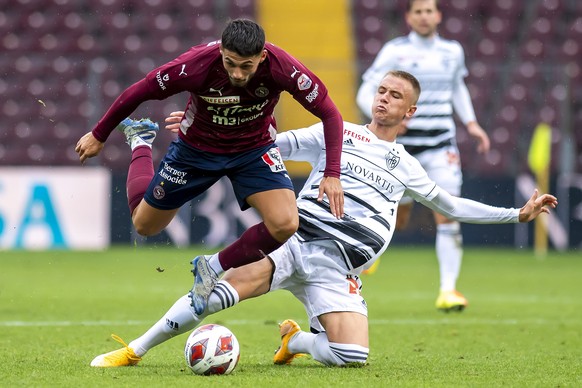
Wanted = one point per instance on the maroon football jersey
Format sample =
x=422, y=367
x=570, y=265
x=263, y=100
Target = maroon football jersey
x=223, y=118
x=220, y=117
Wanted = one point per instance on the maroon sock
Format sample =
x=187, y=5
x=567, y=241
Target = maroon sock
x=141, y=172
x=254, y=243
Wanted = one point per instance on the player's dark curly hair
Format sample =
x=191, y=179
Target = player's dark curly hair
x=244, y=37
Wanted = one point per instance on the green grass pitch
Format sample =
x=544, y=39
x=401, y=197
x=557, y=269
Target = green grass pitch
x=523, y=326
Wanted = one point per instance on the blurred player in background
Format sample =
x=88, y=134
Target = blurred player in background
x=439, y=65
x=321, y=263
x=227, y=130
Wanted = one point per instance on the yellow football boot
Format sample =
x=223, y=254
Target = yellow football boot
x=120, y=357
x=451, y=301
x=287, y=329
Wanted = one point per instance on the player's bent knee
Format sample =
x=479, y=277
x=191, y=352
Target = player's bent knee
x=146, y=230
x=290, y=228
x=283, y=229
x=149, y=221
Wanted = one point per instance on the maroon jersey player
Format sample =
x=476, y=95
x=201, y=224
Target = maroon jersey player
x=228, y=130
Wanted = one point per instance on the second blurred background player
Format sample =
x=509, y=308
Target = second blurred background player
x=439, y=65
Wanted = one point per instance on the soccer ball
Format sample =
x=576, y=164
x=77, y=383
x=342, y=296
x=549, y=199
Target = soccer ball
x=212, y=350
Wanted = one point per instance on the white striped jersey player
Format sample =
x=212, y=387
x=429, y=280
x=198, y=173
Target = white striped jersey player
x=439, y=66
x=375, y=174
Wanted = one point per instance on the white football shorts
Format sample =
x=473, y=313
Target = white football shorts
x=314, y=274
x=443, y=165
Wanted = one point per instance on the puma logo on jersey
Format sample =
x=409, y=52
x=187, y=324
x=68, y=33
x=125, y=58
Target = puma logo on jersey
x=295, y=71
x=219, y=91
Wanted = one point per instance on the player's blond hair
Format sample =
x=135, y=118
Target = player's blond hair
x=408, y=77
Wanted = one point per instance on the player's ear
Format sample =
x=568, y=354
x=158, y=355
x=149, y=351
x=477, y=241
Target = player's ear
x=263, y=56
x=439, y=17
x=410, y=111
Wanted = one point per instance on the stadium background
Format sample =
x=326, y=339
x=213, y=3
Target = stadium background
x=63, y=62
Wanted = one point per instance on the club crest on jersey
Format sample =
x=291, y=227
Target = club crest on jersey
x=273, y=159
x=304, y=82
x=261, y=91
x=392, y=160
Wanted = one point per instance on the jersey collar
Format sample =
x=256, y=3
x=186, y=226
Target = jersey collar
x=419, y=40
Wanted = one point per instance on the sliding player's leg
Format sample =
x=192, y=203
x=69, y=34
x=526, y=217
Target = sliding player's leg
x=336, y=309
x=237, y=285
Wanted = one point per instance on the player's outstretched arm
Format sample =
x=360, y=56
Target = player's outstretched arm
x=474, y=212
x=536, y=205
x=88, y=146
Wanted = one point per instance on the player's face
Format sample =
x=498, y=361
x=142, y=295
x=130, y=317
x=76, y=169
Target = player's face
x=241, y=69
x=424, y=17
x=393, y=101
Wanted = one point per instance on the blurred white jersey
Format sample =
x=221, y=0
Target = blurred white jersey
x=439, y=66
x=374, y=175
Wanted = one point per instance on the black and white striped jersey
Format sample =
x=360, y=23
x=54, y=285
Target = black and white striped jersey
x=439, y=66
x=374, y=175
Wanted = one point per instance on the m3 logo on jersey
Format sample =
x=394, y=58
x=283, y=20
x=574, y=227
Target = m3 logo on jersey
x=304, y=82
x=392, y=161
x=274, y=160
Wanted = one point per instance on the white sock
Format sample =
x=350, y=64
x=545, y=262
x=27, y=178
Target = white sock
x=222, y=297
x=328, y=353
x=137, y=141
x=214, y=263
x=179, y=319
x=449, y=250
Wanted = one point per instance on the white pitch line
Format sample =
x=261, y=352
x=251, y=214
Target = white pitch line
x=379, y=322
